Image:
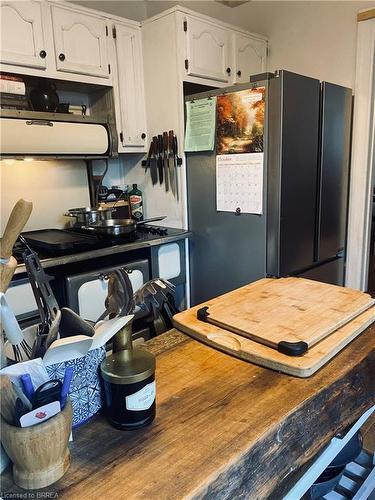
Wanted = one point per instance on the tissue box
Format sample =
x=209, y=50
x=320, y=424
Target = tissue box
x=85, y=390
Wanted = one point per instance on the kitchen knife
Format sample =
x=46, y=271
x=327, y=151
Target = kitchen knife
x=154, y=160
x=165, y=159
x=170, y=162
x=149, y=156
x=160, y=158
x=16, y=222
x=175, y=159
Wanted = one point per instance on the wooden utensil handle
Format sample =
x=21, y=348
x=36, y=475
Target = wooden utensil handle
x=16, y=222
x=6, y=274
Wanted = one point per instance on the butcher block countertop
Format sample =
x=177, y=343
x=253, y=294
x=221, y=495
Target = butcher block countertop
x=224, y=428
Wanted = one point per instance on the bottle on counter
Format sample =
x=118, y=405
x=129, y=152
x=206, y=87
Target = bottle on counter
x=136, y=203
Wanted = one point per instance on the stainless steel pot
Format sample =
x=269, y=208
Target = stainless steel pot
x=119, y=227
x=87, y=215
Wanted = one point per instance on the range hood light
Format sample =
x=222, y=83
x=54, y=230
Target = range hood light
x=28, y=159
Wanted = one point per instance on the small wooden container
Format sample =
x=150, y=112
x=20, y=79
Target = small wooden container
x=40, y=453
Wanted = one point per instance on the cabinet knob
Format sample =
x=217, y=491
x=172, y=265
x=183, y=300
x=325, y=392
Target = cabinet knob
x=62, y=57
x=228, y=71
x=143, y=136
x=239, y=73
x=42, y=54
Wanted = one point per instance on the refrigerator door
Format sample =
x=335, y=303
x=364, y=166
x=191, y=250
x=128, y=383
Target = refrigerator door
x=332, y=272
x=227, y=250
x=292, y=172
x=336, y=111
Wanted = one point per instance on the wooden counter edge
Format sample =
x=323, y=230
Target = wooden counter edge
x=339, y=406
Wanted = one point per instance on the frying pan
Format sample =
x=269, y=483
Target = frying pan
x=119, y=227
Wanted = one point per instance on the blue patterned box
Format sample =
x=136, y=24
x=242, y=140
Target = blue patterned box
x=85, y=390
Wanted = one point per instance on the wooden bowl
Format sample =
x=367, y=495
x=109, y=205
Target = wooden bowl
x=40, y=453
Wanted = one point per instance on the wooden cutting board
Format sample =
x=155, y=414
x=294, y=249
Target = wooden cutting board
x=290, y=315
x=243, y=348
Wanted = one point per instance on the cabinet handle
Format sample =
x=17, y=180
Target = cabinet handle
x=42, y=54
x=143, y=136
x=239, y=73
x=46, y=123
x=228, y=71
x=62, y=57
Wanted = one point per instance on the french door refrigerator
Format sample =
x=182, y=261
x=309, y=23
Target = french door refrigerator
x=302, y=229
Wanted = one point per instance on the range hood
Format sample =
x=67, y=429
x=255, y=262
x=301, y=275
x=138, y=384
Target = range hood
x=54, y=135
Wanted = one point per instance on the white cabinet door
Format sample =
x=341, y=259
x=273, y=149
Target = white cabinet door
x=22, y=37
x=207, y=50
x=250, y=57
x=80, y=42
x=132, y=127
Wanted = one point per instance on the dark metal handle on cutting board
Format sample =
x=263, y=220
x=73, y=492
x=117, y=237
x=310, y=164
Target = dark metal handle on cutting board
x=285, y=347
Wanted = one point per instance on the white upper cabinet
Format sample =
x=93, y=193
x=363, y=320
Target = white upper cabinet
x=80, y=42
x=208, y=50
x=249, y=57
x=132, y=126
x=22, y=37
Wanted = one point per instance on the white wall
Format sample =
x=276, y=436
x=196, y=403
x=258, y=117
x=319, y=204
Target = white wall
x=312, y=38
x=52, y=186
x=131, y=9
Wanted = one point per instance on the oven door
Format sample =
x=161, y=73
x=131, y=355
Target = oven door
x=21, y=300
x=86, y=292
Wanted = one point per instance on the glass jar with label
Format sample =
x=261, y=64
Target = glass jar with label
x=129, y=387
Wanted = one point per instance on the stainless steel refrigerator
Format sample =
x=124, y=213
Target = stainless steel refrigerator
x=302, y=230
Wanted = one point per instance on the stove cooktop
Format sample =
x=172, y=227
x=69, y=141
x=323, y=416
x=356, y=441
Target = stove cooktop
x=57, y=242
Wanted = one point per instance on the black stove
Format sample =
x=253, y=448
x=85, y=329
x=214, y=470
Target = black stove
x=57, y=242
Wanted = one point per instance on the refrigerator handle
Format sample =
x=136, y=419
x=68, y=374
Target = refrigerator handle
x=318, y=215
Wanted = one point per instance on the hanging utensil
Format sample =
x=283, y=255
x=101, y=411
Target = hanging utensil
x=171, y=162
x=149, y=156
x=160, y=158
x=153, y=294
x=119, y=301
x=154, y=160
x=175, y=163
x=129, y=303
x=165, y=160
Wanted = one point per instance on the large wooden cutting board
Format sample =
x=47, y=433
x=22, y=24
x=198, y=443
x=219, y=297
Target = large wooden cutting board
x=248, y=350
x=287, y=314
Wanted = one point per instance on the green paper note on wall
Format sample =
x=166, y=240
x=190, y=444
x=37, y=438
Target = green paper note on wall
x=200, y=125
